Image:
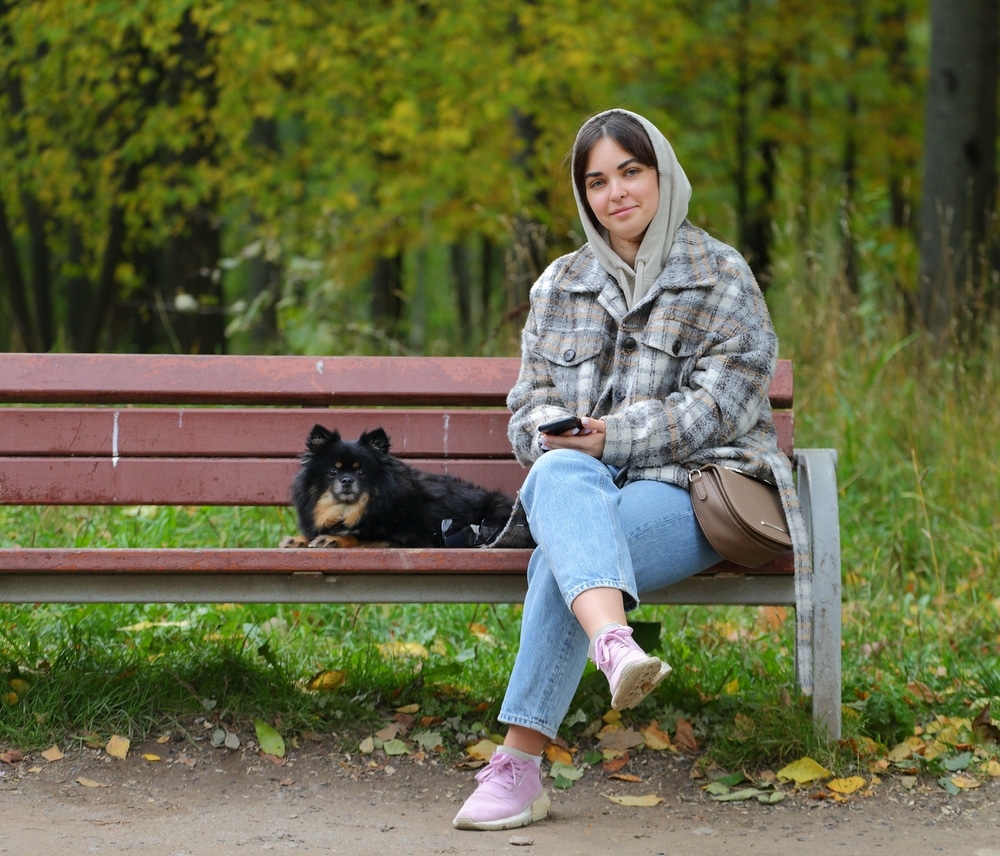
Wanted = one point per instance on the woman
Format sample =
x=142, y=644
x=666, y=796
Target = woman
x=656, y=335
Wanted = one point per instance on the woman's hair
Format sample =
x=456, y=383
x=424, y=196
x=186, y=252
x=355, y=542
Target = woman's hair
x=624, y=130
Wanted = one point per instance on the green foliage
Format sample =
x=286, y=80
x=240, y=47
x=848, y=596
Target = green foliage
x=165, y=165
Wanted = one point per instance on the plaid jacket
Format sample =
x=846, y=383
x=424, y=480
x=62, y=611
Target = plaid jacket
x=680, y=381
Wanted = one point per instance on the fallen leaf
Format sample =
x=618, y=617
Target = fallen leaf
x=567, y=771
x=684, y=735
x=623, y=738
x=646, y=801
x=964, y=782
x=11, y=756
x=152, y=758
x=389, y=732
x=408, y=708
x=328, y=680
x=846, y=786
x=392, y=650
x=430, y=741
x=367, y=746
x=803, y=771
x=163, y=738
x=613, y=765
x=53, y=754
x=90, y=783
x=738, y=796
x=271, y=742
x=118, y=747
x=482, y=751
x=656, y=738
x=771, y=617
x=395, y=747
x=626, y=777
x=557, y=753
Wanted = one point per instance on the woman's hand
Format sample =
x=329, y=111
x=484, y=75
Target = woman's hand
x=589, y=439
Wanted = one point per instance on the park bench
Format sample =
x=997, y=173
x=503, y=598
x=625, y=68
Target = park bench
x=150, y=430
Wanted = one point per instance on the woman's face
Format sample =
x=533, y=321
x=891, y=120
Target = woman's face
x=622, y=193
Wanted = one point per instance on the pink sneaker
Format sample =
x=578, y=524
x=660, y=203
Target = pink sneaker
x=510, y=794
x=631, y=672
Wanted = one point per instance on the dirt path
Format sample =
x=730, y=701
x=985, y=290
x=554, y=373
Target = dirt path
x=216, y=802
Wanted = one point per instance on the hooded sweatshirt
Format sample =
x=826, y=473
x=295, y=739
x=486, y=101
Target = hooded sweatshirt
x=675, y=194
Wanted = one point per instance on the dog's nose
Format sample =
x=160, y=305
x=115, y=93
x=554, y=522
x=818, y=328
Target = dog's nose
x=347, y=481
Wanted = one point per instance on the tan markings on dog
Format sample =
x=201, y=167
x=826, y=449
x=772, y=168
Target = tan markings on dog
x=331, y=512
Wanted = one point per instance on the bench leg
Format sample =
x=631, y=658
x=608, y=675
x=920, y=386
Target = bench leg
x=817, y=487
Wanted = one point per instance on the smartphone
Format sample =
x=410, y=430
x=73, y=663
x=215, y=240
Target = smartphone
x=560, y=425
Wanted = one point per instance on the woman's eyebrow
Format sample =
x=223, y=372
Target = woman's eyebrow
x=622, y=165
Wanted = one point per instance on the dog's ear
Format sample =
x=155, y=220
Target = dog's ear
x=375, y=439
x=319, y=438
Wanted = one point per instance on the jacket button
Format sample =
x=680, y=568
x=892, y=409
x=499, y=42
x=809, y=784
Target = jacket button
x=629, y=344
x=620, y=393
x=677, y=347
x=569, y=354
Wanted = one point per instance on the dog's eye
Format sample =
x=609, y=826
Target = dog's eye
x=360, y=473
x=333, y=472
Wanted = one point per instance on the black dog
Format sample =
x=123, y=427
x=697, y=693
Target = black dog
x=354, y=493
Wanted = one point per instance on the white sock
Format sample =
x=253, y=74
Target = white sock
x=521, y=756
x=601, y=631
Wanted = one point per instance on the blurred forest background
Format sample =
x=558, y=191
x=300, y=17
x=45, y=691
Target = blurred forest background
x=390, y=176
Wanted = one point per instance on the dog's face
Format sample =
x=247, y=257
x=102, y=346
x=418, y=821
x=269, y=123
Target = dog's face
x=342, y=474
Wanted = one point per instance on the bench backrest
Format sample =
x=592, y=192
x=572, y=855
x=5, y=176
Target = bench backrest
x=228, y=430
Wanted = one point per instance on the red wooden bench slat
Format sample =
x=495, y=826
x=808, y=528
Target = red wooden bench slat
x=239, y=432
x=193, y=481
x=272, y=561
x=165, y=379
x=186, y=379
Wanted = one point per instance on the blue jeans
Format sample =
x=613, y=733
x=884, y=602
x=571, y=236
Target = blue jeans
x=590, y=534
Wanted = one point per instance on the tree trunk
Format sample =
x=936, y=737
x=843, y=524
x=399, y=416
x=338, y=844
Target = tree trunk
x=959, y=193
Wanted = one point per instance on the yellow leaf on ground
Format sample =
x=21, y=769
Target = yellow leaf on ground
x=803, y=771
x=993, y=769
x=408, y=708
x=645, y=801
x=964, y=782
x=118, y=747
x=403, y=649
x=327, y=680
x=656, y=737
x=151, y=758
x=558, y=753
x=483, y=750
x=90, y=783
x=846, y=786
x=53, y=754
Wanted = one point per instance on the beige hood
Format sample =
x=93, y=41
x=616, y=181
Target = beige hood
x=675, y=194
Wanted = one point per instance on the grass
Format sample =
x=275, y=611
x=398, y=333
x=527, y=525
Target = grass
x=915, y=427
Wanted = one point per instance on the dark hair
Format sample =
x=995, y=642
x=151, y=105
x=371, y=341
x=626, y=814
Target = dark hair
x=624, y=130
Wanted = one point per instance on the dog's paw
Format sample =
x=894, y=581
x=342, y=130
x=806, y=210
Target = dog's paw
x=292, y=541
x=331, y=542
